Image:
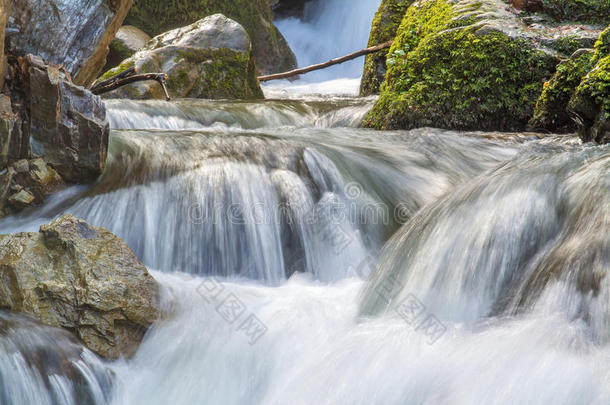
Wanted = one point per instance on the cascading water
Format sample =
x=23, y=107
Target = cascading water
x=419, y=267
x=327, y=30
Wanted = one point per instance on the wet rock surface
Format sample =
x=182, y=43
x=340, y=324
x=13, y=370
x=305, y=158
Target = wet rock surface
x=211, y=58
x=74, y=34
x=83, y=279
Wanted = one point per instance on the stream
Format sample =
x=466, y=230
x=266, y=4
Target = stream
x=306, y=261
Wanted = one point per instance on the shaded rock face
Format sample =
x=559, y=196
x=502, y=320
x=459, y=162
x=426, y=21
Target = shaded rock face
x=386, y=23
x=211, y=58
x=289, y=8
x=80, y=278
x=5, y=6
x=67, y=123
x=26, y=183
x=470, y=65
x=74, y=34
x=576, y=97
x=128, y=40
x=271, y=50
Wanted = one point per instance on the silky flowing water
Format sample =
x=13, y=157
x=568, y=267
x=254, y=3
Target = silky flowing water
x=303, y=260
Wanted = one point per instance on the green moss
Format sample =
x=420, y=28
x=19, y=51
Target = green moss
x=569, y=44
x=119, y=69
x=591, y=11
x=384, y=27
x=591, y=103
x=225, y=74
x=270, y=48
x=457, y=79
x=602, y=46
x=551, y=109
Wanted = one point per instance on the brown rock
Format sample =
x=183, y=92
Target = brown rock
x=81, y=278
x=21, y=200
x=5, y=6
x=68, y=125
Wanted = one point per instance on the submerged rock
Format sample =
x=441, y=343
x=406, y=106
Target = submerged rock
x=128, y=40
x=271, y=50
x=74, y=34
x=83, y=279
x=211, y=58
x=469, y=64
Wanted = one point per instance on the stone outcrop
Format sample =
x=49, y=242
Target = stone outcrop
x=67, y=125
x=83, y=279
x=470, y=65
x=211, y=58
x=128, y=40
x=386, y=23
x=5, y=6
x=74, y=34
x=271, y=50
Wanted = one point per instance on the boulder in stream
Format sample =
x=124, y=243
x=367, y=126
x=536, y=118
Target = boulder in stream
x=471, y=65
x=270, y=48
x=211, y=58
x=74, y=34
x=83, y=279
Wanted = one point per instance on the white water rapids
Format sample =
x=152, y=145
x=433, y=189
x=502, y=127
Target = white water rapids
x=363, y=267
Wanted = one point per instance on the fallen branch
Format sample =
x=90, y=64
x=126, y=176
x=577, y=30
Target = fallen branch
x=127, y=77
x=324, y=65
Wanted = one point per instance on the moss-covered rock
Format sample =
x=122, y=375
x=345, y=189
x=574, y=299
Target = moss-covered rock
x=552, y=112
x=590, y=104
x=551, y=109
x=211, y=58
x=462, y=65
x=271, y=50
x=386, y=23
x=128, y=40
x=592, y=11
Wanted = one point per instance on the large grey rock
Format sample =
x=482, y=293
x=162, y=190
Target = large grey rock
x=211, y=58
x=71, y=33
x=67, y=123
x=81, y=278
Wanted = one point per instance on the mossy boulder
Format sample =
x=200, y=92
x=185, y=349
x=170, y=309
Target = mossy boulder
x=551, y=108
x=271, y=50
x=590, y=105
x=468, y=64
x=211, y=58
x=83, y=279
x=386, y=23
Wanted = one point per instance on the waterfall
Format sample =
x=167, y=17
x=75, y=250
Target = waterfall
x=329, y=29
